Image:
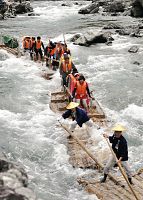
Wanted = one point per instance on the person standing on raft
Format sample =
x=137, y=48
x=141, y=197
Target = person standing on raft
x=120, y=148
x=65, y=68
x=37, y=48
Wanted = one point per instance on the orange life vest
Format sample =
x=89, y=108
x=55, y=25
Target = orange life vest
x=53, y=52
x=81, y=92
x=38, y=44
x=72, y=83
x=66, y=67
x=31, y=43
x=25, y=44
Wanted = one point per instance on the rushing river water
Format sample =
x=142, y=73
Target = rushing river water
x=29, y=132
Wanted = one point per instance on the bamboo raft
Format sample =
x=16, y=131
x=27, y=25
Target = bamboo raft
x=83, y=155
x=10, y=50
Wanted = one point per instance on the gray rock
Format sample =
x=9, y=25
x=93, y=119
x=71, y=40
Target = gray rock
x=94, y=38
x=23, y=7
x=92, y=8
x=137, y=8
x=33, y=14
x=133, y=49
x=136, y=63
x=133, y=31
x=13, y=181
x=115, y=6
x=75, y=37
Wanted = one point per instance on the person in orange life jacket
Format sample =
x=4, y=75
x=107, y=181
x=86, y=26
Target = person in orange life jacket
x=72, y=79
x=81, y=92
x=59, y=51
x=26, y=43
x=120, y=148
x=78, y=115
x=66, y=50
x=31, y=47
x=47, y=52
x=37, y=47
x=66, y=67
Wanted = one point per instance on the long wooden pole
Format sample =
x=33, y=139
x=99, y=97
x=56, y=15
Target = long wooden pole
x=122, y=170
x=89, y=153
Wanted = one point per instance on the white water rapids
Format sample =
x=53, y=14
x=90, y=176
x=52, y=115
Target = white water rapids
x=30, y=134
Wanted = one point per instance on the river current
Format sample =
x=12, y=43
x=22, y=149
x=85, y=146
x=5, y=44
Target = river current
x=29, y=132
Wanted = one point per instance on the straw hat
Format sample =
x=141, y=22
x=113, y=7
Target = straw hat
x=118, y=128
x=72, y=105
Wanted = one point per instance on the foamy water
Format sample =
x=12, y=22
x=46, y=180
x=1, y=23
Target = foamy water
x=30, y=133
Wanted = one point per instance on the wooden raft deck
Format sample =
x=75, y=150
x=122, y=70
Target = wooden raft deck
x=10, y=50
x=109, y=190
x=80, y=159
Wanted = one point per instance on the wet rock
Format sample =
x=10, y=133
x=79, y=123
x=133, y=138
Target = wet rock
x=94, y=38
x=33, y=14
x=133, y=31
x=23, y=7
x=115, y=6
x=133, y=49
x=13, y=181
x=136, y=63
x=64, y=4
x=92, y=8
x=75, y=37
x=137, y=8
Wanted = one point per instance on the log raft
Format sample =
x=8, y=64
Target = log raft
x=79, y=158
x=10, y=50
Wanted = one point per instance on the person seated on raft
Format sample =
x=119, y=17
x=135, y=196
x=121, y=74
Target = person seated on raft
x=66, y=67
x=78, y=115
x=37, y=48
x=81, y=92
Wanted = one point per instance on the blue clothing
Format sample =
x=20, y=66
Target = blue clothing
x=80, y=116
x=119, y=146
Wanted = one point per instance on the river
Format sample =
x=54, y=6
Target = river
x=29, y=133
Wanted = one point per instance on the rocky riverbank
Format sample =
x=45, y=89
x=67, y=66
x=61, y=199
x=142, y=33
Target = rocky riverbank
x=11, y=9
x=13, y=181
x=115, y=8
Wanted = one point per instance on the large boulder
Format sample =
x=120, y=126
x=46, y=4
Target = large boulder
x=94, y=38
x=137, y=8
x=13, y=181
x=92, y=8
x=23, y=7
x=115, y=6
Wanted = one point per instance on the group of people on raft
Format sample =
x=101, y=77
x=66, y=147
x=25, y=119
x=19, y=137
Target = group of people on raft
x=52, y=53
x=80, y=95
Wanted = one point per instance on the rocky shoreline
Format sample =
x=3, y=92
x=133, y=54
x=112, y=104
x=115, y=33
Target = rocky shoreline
x=114, y=8
x=11, y=9
x=13, y=181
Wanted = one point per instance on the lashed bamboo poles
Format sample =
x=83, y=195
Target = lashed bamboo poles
x=89, y=153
